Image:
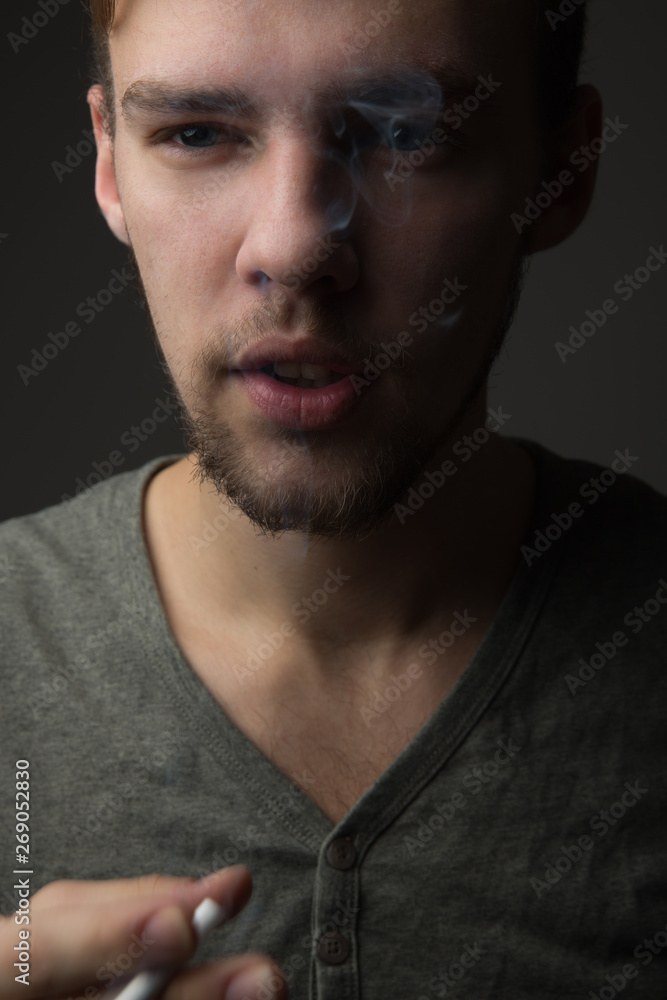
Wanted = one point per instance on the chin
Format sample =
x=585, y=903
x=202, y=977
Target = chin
x=323, y=491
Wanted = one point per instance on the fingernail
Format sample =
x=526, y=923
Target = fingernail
x=167, y=936
x=258, y=983
x=232, y=874
x=231, y=878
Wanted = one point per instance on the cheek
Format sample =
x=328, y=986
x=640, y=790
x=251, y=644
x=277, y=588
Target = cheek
x=184, y=249
x=460, y=230
x=176, y=240
x=446, y=281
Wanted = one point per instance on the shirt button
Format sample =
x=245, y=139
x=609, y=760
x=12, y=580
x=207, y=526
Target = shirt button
x=341, y=853
x=333, y=948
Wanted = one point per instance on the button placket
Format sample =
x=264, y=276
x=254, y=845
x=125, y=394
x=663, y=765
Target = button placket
x=336, y=909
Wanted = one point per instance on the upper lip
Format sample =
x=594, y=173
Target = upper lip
x=311, y=352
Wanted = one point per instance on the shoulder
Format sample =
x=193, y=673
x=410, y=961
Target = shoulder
x=607, y=529
x=64, y=548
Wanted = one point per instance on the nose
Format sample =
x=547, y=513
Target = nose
x=298, y=226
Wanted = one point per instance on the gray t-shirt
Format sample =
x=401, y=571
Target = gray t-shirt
x=515, y=849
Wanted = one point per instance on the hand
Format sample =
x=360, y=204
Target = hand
x=83, y=933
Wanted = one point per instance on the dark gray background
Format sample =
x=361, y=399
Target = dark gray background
x=56, y=251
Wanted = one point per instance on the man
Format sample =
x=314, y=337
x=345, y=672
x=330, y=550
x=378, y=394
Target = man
x=403, y=668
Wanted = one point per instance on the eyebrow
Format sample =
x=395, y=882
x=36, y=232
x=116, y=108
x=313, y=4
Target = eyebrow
x=152, y=96
x=146, y=97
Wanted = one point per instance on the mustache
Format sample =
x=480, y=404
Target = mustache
x=316, y=318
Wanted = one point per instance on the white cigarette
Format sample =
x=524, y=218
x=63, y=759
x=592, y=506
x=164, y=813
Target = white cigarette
x=148, y=984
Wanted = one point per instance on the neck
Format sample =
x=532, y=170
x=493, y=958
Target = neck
x=332, y=601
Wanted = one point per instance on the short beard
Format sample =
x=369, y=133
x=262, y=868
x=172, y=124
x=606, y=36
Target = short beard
x=308, y=495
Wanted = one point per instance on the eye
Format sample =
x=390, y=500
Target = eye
x=191, y=139
x=198, y=136
x=407, y=136
x=398, y=134
x=401, y=122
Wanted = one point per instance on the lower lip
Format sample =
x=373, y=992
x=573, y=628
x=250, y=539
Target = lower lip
x=298, y=408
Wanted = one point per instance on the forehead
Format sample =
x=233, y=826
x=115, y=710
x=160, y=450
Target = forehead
x=289, y=49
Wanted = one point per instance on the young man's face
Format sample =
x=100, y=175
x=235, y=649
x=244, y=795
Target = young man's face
x=336, y=193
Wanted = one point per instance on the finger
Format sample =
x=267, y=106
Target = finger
x=72, y=946
x=244, y=977
x=67, y=948
x=78, y=892
x=82, y=891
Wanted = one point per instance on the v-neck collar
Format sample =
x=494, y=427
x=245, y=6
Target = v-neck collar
x=446, y=729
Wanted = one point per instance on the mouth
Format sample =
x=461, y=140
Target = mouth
x=301, y=374
x=299, y=394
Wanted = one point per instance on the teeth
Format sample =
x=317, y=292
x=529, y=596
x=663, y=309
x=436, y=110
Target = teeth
x=305, y=375
x=316, y=372
x=294, y=369
x=290, y=369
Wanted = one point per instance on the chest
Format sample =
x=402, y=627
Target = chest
x=334, y=764
x=332, y=748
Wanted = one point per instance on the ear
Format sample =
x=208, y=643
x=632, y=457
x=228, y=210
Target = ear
x=106, y=188
x=566, y=212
